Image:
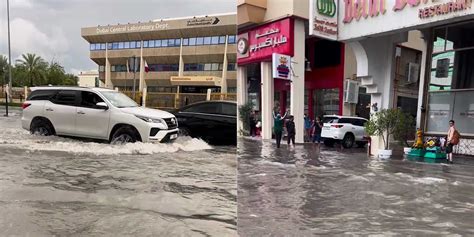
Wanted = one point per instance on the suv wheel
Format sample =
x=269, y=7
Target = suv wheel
x=123, y=135
x=348, y=141
x=184, y=132
x=329, y=142
x=42, y=127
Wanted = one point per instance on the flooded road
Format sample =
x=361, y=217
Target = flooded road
x=63, y=187
x=307, y=192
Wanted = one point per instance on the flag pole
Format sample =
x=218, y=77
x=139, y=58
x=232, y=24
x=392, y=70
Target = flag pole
x=7, y=94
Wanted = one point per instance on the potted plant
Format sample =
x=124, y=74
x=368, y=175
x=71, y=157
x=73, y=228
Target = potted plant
x=404, y=131
x=384, y=123
x=244, y=116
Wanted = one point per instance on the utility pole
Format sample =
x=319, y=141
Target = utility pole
x=9, y=61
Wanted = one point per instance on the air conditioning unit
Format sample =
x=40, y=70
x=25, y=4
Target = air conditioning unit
x=413, y=72
x=351, y=92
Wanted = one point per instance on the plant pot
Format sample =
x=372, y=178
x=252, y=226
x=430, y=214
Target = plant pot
x=385, y=154
x=406, y=150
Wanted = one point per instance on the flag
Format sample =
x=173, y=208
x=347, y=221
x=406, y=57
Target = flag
x=147, y=69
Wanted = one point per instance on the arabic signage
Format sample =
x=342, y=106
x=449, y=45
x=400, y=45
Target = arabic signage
x=203, y=21
x=195, y=80
x=323, y=18
x=361, y=18
x=132, y=28
x=260, y=43
x=281, y=65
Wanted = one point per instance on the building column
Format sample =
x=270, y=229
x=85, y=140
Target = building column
x=242, y=93
x=141, y=84
x=224, y=68
x=297, y=85
x=181, y=61
x=108, y=81
x=267, y=95
x=423, y=77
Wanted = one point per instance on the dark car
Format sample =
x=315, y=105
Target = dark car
x=212, y=121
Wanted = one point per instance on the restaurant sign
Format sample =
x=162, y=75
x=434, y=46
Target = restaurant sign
x=259, y=44
x=323, y=18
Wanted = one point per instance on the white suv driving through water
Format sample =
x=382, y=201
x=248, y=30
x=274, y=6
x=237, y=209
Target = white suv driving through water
x=344, y=129
x=95, y=113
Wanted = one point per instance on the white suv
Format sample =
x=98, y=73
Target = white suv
x=344, y=129
x=95, y=113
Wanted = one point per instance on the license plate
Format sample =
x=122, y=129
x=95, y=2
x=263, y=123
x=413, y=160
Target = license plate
x=174, y=136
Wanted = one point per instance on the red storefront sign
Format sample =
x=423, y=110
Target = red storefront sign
x=260, y=43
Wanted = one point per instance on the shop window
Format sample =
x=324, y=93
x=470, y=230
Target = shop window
x=327, y=54
x=325, y=102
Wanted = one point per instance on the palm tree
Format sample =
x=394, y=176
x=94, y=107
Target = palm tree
x=35, y=67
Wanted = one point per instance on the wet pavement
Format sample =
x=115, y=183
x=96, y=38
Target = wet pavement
x=54, y=186
x=306, y=191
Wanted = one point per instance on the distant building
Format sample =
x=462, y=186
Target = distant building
x=89, y=79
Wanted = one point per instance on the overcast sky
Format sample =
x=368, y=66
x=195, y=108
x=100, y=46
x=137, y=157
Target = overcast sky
x=52, y=28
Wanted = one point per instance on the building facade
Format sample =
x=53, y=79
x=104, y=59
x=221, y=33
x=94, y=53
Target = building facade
x=178, y=55
x=89, y=79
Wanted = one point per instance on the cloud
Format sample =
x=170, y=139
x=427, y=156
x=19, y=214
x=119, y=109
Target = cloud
x=21, y=4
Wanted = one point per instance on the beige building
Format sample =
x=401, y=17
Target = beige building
x=178, y=55
x=89, y=79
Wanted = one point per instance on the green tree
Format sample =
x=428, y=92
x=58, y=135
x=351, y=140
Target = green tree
x=35, y=68
x=3, y=68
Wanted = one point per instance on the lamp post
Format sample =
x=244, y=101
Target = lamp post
x=9, y=61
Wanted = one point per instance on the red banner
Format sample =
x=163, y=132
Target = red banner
x=260, y=43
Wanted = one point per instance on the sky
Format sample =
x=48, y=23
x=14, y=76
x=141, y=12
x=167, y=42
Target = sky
x=52, y=28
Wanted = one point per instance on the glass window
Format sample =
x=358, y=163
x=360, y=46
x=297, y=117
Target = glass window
x=102, y=46
x=231, y=67
x=120, y=45
x=65, y=97
x=145, y=44
x=460, y=36
x=221, y=39
x=42, y=94
x=151, y=44
x=109, y=45
x=231, y=39
x=112, y=68
x=90, y=99
x=207, y=67
x=229, y=109
x=101, y=68
x=171, y=43
x=92, y=47
x=205, y=108
x=164, y=43
x=115, y=45
x=157, y=43
x=215, y=40
x=177, y=42
x=221, y=66
x=215, y=67
x=139, y=43
x=126, y=45
x=207, y=40
x=185, y=42
x=192, y=41
x=325, y=101
x=199, y=40
x=118, y=99
x=133, y=44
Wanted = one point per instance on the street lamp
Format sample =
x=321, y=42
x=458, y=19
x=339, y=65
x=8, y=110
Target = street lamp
x=9, y=61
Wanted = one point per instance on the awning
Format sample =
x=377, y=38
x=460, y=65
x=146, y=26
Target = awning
x=195, y=81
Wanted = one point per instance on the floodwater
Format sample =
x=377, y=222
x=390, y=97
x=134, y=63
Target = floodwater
x=62, y=187
x=306, y=192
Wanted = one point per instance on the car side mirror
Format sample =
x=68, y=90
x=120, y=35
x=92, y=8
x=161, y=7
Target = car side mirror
x=102, y=105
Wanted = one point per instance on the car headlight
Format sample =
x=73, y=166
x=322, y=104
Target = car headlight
x=150, y=120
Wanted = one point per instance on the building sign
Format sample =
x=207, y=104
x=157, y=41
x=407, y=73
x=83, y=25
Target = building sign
x=362, y=18
x=195, y=80
x=259, y=44
x=281, y=65
x=132, y=28
x=203, y=21
x=323, y=18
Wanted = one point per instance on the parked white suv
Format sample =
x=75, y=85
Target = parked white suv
x=344, y=129
x=95, y=113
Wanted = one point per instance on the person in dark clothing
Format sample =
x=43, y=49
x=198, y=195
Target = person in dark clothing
x=278, y=127
x=290, y=127
x=317, y=128
x=252, y=123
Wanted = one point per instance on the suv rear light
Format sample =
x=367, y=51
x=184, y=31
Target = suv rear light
x=337, y=126
x=25, y=105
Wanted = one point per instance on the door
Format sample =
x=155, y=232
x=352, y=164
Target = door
x=61, y=111
x=90, y=120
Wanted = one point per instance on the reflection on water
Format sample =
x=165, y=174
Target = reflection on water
x=306, y=191
x=61, y=186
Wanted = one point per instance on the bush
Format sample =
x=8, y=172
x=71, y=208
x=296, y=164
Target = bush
x=385, y=123
x=406, y=128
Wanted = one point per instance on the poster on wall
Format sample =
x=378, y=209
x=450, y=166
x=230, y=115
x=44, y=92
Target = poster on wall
x=442, y=68
x=281, y=65
x=323, y=19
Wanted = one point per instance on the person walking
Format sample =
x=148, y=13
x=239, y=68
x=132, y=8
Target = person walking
x=278, y=127
x=307, y=128
x=317, y=128
x=452, y=140
x=290, y=128
x=252, y=123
